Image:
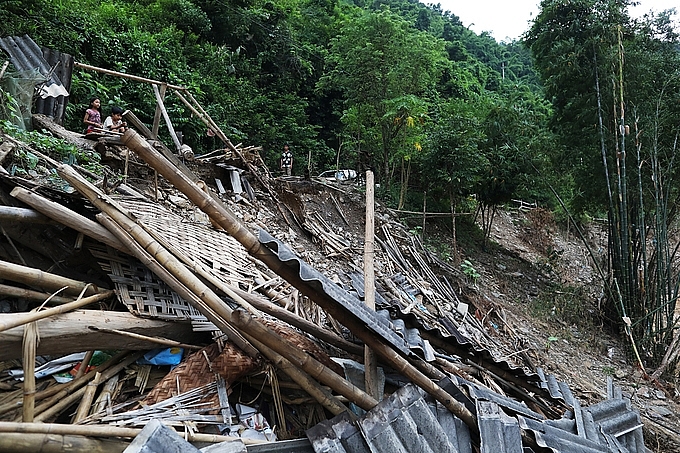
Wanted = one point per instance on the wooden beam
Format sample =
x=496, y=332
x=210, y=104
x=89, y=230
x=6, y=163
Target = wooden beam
x=20, y=319
x=68, y=333
x=370, y=360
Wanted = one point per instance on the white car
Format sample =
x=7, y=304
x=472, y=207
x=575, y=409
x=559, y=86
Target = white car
x=339, y=175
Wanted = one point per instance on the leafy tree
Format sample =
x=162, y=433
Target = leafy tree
x=379, y=62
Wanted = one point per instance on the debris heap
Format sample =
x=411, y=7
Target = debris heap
x=105, y=287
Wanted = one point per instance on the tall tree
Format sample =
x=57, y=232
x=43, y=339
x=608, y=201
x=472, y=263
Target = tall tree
x=386, y=69
x=608, y=77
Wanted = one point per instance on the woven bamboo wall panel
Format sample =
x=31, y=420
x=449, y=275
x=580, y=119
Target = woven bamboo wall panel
x=139, y=289
x=214, y=250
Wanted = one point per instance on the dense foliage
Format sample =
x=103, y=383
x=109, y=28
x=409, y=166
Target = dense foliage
x=587, y=105
x=614, y=85
x=356, y=85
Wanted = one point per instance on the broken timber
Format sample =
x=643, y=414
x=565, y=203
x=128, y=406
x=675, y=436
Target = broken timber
x=209, y=303
x=68, y=333
x=220, y=215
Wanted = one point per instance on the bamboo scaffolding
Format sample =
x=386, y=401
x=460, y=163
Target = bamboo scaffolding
x=40, y=279
x=220, y=215
x=35, y=316
x=125, y=76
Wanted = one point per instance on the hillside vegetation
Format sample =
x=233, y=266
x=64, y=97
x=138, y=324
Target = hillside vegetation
x=582, y=115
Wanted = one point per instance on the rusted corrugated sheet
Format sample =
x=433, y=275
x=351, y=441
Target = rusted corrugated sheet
x=26, y=55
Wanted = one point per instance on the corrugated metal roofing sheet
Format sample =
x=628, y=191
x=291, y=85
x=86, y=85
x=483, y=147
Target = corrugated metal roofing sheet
x=401, y=423
x=410, y=421
x=350, y=303
x=25, y=54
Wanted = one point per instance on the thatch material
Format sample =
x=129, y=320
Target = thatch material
x=200, y=369
x=303, y=343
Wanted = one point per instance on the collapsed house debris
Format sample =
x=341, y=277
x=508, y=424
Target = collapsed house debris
x=440, y=364
x=271, y=345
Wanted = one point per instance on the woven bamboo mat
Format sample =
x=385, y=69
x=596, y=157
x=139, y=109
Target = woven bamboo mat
x=215, y=250
x=200, y=369
x=139, y=289
x=146, y=295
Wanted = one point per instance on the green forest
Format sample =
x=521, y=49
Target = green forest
x=580, y=115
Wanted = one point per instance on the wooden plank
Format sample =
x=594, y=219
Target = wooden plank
x=370, y=360
x=68, y=333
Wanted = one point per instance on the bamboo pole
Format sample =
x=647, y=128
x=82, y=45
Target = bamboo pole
x=323, y=396
x=125, y=76
x=107, y=431
x=157, y=340
x=164, y=274
x=58, y=443
x=38, y=278
x=219, y=214
x=13, y=291
x=63, y=389
x=57, y=404
x=24, y=215
x=105, y=395
x=370, y=360
x=31, y=317
x=88, y=396
x=31, y=339
x=304, y=380
x=166, y=117
x=219, y=311
x=157, y=115
x=67, y=217
x=84, y=364
x=301, y=323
